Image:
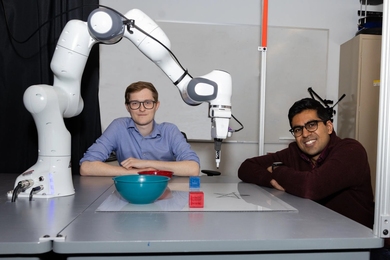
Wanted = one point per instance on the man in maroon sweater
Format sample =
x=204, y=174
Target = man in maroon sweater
x=319, y=165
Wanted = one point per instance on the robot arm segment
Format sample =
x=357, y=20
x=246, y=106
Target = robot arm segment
x=108, y=26
x=68, y=62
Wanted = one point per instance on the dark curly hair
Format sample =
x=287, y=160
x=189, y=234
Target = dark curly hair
x=309, y=104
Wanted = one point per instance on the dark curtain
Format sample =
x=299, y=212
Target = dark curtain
x=25, y=56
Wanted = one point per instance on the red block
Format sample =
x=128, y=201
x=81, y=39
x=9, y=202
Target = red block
x=196, y=199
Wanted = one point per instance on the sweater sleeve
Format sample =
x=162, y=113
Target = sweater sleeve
x=345, y=166
x=254, y=170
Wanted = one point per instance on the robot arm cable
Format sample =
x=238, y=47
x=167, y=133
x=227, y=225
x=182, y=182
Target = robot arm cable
x=37, y=30
x=35, y=190
x=16, y=191
x=13, y=39
x=131, y=24
x=242, y=126
x=22, y=185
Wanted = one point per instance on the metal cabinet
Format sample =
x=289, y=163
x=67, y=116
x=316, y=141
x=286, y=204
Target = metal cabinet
x=360, y=60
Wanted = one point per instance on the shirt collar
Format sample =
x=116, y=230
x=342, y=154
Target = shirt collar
x=155, y=132
x=323, y=154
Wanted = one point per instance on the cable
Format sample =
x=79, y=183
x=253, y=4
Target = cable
x=132, y=23
x=13, y=39
x=242, y=127
x=39, y=28
x=35, y=190
x=16, y=191
x=22, y=185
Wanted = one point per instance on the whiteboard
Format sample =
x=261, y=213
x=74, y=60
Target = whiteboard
x=297, y=59
x=200, y=48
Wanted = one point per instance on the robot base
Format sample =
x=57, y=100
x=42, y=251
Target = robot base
x=50, y=177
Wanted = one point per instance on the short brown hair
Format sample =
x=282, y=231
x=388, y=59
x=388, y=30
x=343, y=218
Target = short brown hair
x=138, y=86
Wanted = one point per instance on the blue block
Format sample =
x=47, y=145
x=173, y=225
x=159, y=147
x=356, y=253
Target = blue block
x=194, y=182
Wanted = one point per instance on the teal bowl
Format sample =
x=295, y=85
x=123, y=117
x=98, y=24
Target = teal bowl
x=141, y=189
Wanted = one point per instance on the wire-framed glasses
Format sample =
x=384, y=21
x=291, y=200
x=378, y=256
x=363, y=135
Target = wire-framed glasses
x=134, y=105
x=310, y=126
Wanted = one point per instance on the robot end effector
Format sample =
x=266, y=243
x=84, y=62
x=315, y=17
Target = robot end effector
x=215, y=88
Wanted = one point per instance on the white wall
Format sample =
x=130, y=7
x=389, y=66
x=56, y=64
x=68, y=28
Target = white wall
x=338, y=17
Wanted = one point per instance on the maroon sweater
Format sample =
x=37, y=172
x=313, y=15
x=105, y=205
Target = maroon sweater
x=340, y=180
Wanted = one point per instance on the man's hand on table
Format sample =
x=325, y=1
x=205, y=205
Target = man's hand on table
x=274, y=183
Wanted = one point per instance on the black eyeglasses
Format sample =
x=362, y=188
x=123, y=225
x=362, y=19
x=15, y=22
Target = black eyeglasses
x=134, y=105
x=310, y=126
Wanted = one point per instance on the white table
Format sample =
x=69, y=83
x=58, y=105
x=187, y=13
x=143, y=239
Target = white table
x=313, y=231
x=29, y=227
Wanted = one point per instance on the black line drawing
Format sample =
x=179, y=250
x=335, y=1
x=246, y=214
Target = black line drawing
x=231, y=195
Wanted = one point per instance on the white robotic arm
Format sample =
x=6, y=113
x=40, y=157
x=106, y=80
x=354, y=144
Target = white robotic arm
x=51, y=175
x=106, y=25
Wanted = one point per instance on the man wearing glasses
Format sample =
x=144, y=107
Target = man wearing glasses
x=139, y=142
x=319, y=165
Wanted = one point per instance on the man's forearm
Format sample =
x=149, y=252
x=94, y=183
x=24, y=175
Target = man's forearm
x=98, y=168
x=179, y=168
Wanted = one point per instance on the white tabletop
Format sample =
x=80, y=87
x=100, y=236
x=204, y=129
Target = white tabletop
x=313, y=227
x=28, y=227
x=72, y=226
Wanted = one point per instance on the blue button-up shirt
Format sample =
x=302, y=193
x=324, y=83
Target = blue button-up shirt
x=165, y=143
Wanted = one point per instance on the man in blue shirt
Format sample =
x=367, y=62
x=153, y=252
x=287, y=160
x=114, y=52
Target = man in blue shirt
x=139, y=142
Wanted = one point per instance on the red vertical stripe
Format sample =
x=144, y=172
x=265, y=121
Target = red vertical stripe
x=264, y=30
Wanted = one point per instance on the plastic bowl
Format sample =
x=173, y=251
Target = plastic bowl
x=157, y=172
x=141, y=189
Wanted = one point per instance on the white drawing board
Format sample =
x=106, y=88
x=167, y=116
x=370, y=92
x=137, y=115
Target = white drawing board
x=217, y=197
